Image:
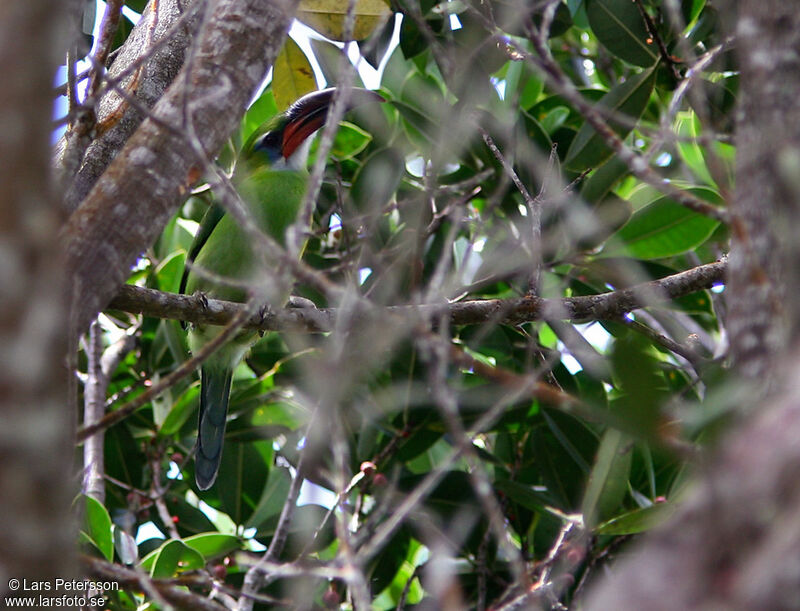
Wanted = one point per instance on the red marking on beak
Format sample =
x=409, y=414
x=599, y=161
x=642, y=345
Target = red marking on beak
x=308, y=114
x=295, y=133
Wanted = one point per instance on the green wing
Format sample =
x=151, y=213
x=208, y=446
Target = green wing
x=207, y=224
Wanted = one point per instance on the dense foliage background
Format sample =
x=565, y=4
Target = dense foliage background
x=521, y=344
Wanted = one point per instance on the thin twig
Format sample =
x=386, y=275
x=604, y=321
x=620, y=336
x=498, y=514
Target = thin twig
x=186, y=368
x=255, y=578
x=652, y=32
x=169, y=591
x=543, y=61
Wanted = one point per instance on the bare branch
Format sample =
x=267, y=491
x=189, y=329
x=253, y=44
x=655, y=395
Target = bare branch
x=172, y=591
x=100, y=367
x=605, y=306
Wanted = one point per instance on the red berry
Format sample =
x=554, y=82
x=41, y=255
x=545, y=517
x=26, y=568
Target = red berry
x=574, y=555
x=331, y=598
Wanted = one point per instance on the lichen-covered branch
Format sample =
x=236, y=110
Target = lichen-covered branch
x=130, y=204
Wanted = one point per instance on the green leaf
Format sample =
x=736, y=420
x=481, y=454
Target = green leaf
x=688, y=148
x=377, y=180
x=136, y=5
x=307, y=521
x=638, y=376
x=638, y=520
x=181, y=410
x=577, y=9
x=374, y=48
x=330, y=58
x=272, y=498
x=664, y=228
x=188, y=518
x=292, y=76
x=172, y=558
x=630, y=98
x=328, y=17
x=97, y=527
x=420, y=129
x=260, y=111
x=562, y=20
x=213, y=545
x=349, y=141
x=561, y=451
x=620, y=28
x=526, y=495
x=603, y=179
x=413, y=41
x=691, y=9
x=243, y=473
x=608, y=481
x=532, y=88
x=536, y=133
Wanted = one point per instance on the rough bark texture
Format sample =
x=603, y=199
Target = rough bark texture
x=734, y=544
x=765, y=252
x=129, y=205
x=606, y=306
x=35, y=444
x=163, y=41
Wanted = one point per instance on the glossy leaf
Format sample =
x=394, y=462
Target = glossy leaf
x=619, y=26
x=213, y=545
x=664, y=228
x=630, y=98
x=608, y=481
x=603, y=179
x=242, y=476
x=171, y=559
x=97, y=527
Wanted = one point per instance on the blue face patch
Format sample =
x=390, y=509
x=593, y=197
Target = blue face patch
x=269, y=144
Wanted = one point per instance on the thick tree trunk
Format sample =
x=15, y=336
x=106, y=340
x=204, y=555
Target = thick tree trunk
x=764, y=316
x=35, y=442
x=734, y=544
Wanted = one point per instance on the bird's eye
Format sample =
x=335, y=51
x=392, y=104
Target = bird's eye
x=270, y=144
x=269, y=140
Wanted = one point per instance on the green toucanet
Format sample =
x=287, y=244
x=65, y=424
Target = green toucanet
x=271, y=178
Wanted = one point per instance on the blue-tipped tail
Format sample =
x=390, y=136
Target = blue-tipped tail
x=215, y=389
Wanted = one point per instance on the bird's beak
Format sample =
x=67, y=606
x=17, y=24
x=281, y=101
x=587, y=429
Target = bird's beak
x=308, y=114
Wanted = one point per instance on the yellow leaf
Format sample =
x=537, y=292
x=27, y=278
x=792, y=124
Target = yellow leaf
x=328, y=16
x=292, y=75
